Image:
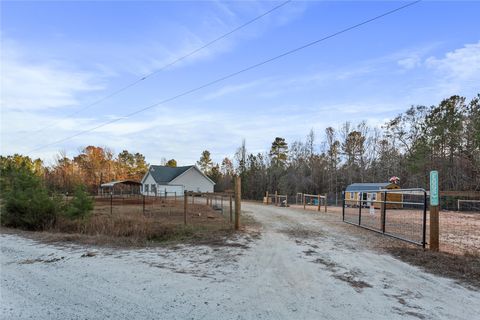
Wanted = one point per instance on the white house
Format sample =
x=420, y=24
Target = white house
x=161, y=179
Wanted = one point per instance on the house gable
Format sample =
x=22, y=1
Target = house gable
x=194, y=180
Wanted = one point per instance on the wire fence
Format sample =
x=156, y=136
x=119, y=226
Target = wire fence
x=459, y=222
x=399, y=213
x=194, y=208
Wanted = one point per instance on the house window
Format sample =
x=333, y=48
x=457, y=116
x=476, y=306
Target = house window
x=352, y=195
x=374, y=196
x=153, y=188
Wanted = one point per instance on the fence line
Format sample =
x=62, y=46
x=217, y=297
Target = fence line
x=407, y=224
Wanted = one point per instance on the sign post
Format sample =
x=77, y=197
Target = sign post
x=434, y=211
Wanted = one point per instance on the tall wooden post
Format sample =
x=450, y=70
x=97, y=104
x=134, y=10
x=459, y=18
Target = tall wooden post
x=143, y=204
x=238, y=199
x=304, y=202
x=326, y=197
x=434, y=228
x=266, y=196
x=185, y=205
x=111, y=202
x=319, y=202
x=276, y=198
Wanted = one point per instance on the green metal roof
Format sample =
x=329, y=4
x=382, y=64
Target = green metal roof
x=164, y=174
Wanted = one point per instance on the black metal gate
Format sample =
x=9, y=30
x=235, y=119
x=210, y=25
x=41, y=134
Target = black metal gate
x=398, y=213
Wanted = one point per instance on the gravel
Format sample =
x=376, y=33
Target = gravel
x=317, y=274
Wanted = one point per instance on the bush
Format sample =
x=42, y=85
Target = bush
x=81, y=205
x=26, y=203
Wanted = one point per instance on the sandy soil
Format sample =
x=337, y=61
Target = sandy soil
x=301, y=267
x=459, y=231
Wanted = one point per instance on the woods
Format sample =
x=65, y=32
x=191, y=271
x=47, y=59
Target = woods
x=445, y=137
x=90, y=168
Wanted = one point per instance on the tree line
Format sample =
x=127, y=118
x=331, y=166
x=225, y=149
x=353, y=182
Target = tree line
x=90, y=168
x=443, y=137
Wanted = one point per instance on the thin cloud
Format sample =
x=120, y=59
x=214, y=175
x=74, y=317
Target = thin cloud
x=460, y=64
x=33, y=85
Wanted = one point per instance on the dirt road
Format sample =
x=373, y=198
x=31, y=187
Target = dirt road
x=299, y=268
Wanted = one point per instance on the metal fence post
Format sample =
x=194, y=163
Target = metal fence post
x=384, y=211
x=424, y=236
x=343, y=205
x=231, y=209
x=185, y=204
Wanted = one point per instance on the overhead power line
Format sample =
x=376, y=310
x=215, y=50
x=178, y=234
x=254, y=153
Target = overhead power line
x=187, y=92
x=177, y=60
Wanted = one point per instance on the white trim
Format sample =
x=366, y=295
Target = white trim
x=146, y=175
x=196, y=168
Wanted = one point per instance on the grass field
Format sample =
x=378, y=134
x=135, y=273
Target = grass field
x=125, y=221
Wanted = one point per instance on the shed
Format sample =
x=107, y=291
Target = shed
x=161, y=180
x=123, y=187
x=370, y=193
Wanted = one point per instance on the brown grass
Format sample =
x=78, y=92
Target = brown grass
x=464, y=268
x=127, y=225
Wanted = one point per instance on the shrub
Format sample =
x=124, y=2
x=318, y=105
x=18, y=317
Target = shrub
x=81, y=205
x=26, y=203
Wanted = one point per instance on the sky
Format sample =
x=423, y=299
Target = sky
x=59, y=58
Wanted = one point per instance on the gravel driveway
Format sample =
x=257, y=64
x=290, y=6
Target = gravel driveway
x=298, y=268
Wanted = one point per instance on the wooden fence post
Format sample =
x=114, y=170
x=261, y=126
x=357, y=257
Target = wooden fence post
x=111, y=202
x=304, y=202
x=434, y=211
x=143, y=204
x=276, y=198
x=434, y=228
x=326, y=197
x=238, y=199
x=319, y=202
x=185, y=205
